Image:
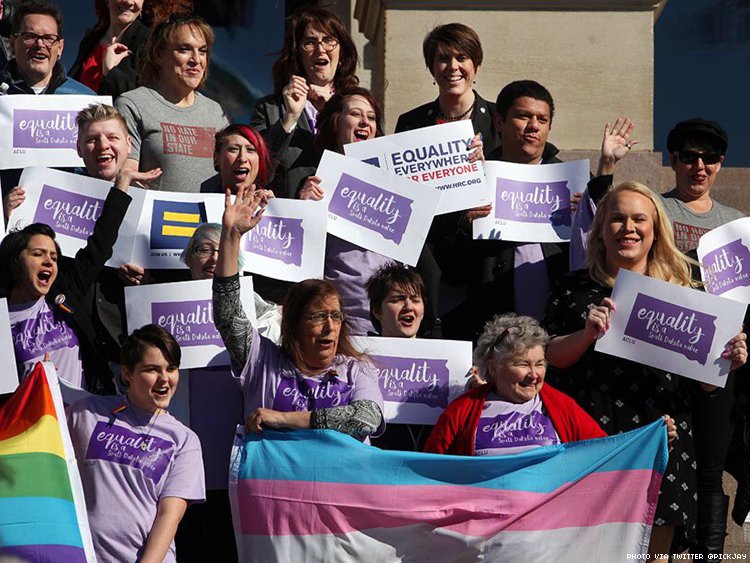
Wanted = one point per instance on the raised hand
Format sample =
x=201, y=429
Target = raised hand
x=294, y=95
x=616, y=144
x=129, y=176
x=13, y=199
x=245, y=212
x=114, y=55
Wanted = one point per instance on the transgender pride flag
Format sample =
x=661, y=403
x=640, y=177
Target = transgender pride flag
x=319, y=495
x=42, y=510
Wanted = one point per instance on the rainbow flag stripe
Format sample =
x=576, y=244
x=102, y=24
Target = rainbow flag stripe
x=42, y=512
x=322, y=496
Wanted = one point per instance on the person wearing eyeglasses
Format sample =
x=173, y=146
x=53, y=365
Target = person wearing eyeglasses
x=37, y=46
x=318, y=58
x=696, y=152
x=316, y=378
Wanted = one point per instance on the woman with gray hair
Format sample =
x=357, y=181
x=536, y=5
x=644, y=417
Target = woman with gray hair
x=514, y=411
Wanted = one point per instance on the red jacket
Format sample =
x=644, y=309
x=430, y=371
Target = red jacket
x=456, y=427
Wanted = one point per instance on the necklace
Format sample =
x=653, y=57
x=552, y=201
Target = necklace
x=144, y=429
x=460, y=116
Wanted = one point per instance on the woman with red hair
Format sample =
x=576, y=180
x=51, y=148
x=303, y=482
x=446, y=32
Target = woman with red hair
x=240, y=158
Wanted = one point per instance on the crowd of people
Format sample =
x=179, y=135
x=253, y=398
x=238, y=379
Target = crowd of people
x=533, y=310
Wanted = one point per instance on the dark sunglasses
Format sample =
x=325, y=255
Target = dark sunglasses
x=691, y=157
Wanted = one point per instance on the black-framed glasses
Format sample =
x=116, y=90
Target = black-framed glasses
x=310, y=44
x=319, y=317
x=206, y=251
x=49, y=40
x=691, y=157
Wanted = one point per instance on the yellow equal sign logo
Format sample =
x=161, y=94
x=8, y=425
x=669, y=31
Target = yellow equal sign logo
x=174, y=222
x=193, y=219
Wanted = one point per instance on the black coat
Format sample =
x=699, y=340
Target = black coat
x=124, y=76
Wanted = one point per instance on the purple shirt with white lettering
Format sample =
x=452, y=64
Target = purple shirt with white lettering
x=128, y=462
x=509, y=428
x=271, y=380
x=36, y=331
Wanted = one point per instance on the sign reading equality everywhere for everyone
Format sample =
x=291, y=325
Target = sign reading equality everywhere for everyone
x=670, y=327
x=41, y=130
x=437, y=156
x=375, y=209
x=185, y=310
x=418, y=377
x=289, y=241
x=724, y=255
x=531, y=203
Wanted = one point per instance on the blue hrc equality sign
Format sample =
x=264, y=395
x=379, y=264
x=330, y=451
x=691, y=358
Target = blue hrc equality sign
x=174, y=222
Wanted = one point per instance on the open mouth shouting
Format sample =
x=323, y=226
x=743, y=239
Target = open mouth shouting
x=44, y=279
x=361, y=134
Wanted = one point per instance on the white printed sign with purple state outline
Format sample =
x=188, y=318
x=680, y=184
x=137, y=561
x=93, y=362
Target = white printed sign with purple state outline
x=376, y=209
x=437, y=156
x=289, y=241
x=70, y=204
x=418, y=377
x=42, y=129
x=670, y=327
x=9, y=372
x=531, y=203
x=185, y=309
x=724, y=255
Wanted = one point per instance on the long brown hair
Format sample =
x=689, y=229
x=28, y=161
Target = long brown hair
x=328, y=119
x=298, y=297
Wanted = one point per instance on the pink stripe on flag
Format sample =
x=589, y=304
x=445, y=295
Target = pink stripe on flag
x=278, y=508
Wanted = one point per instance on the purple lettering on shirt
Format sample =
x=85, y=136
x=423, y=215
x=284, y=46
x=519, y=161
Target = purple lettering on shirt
x=68, y=213
x=513, y=430
x=533, y=202
x=306, y=394
x=43, y=333
x=142, y=451
x=280, y=238
x=190, y=322
x=367, y=205
x=727, y=267
x=44, y=129
x=671, y=327
x=413, y=380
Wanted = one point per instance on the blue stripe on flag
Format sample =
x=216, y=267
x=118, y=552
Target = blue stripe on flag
x=38, y=521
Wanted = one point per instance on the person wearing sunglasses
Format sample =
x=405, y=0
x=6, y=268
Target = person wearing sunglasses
x=696, y=152
x=316, y=378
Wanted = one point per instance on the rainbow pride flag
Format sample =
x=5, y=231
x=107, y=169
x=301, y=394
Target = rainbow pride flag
x=319, y=495
x=42, y=509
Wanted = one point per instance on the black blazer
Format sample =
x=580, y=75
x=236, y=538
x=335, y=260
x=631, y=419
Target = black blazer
x=482, y=120
x=124, y=76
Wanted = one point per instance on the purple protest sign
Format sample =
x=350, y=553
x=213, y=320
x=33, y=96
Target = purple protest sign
x=671, y=327
x=117, y=444
x=190, y=322
x=533, y=202
x=68, y=213
x=306, y=394
x=365, y=204
x=44, y=129
x=513, y=430
x=413, y=380
x=280, y=238
x=727, y=267
x=37, y=335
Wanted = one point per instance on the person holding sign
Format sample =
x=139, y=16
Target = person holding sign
x=317, y=59
x=172, y=125
x=631, y=230
x=316, y=378
x=140, y=467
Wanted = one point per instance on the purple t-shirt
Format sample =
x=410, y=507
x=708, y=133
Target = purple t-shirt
x=128, y=462
x=509, y=428
x=349, y=267
x=271, y=380
x=215, y=411
x=36, y=331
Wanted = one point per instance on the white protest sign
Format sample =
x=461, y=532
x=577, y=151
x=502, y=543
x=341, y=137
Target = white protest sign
x=531, y=203
x=9, y=372
x=289, y=241
x=671, y=327
x=418, y=377
x=375, y=209
x=70, y=204
x=724, y=255
x=437, y=156
x=41, y=130
x=185, y=310
x=166, y=223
